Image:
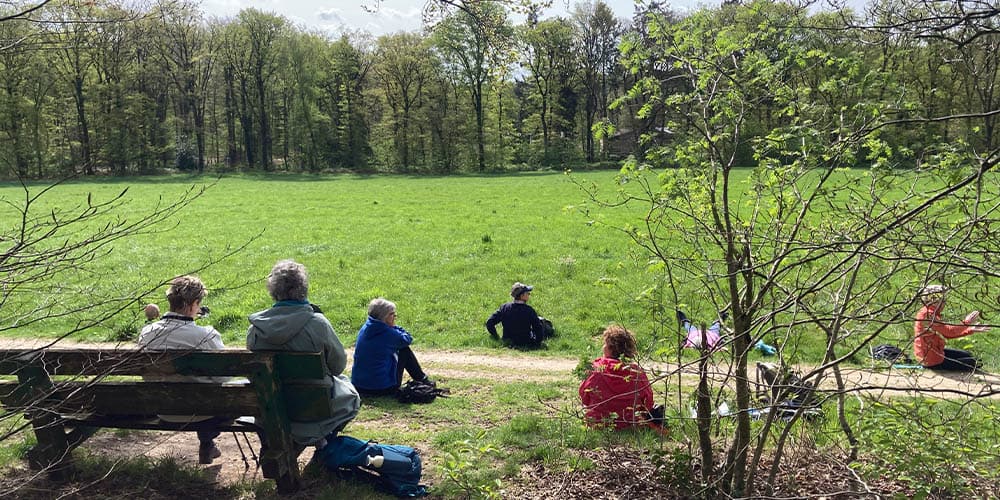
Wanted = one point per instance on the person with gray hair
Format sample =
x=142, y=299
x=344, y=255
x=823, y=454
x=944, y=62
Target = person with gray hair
x=293, y=324
x=382, y=353
x=177, y=330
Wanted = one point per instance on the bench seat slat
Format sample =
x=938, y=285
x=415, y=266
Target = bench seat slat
x=303, y=403
x=152, y=422
x=143, y=398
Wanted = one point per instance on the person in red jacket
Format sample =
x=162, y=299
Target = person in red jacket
x=930, y=332
x=617, y=391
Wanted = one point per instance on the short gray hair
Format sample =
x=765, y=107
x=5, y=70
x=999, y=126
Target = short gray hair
x=288, y=281
x=380, y=308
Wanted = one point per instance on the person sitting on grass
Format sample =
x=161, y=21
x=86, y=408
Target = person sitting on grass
x=382, y=352
x=177, y=330
x=293, y=324
x=930, y=333
x=712, y=335
x=521, y=324
x=617, y=391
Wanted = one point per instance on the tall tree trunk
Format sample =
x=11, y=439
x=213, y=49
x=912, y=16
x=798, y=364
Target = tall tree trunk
x=199, y=134
x=20, y=161
x=84, y=130
x=477, y=97
x=265, y=126
x=588, y=126
x=246, y=123
x=405, y=151
x=232, y=151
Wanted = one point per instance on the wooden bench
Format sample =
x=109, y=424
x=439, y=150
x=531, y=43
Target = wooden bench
x=66, y=395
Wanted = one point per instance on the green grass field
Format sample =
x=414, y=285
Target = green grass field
x=445, y=249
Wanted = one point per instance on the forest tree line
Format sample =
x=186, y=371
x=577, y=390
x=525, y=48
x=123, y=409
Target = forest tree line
x=104, y=87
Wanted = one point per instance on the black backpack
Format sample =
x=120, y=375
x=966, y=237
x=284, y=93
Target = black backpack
x=420, y=392
x=890, y=353
x=547, y=329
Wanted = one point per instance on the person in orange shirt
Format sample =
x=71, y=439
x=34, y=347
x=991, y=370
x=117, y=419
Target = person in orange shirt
x=931, y=332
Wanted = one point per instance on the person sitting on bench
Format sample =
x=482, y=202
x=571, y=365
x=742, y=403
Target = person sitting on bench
x=177, y=330
x=293, y=324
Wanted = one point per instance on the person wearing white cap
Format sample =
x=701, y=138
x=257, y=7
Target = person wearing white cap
x=930, y=332
x=521, y=324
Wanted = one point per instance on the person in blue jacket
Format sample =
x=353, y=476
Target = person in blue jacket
x=382, y=353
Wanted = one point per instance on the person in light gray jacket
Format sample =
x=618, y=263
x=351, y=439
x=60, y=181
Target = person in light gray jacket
x=293, y=324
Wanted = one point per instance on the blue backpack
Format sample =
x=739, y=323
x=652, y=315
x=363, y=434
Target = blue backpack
x=398, y=467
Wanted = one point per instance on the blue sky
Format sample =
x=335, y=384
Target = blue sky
x=334, y=16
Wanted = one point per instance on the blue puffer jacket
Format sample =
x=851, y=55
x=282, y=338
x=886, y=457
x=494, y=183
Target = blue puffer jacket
x=375, y=358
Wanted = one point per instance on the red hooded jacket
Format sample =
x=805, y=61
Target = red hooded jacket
x=614, y=387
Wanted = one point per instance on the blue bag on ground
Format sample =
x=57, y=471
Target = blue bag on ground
x=398, y=467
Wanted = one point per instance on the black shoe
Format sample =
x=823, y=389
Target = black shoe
x=208, y=452
x=427, y=380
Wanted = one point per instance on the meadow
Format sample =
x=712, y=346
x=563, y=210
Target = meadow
x=446, y=250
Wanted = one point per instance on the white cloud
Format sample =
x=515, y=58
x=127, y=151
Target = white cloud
x=331, y=16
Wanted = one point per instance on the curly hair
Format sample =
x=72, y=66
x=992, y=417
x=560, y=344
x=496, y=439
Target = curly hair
x=288, y=281
x=184, y=291
x=620, y=342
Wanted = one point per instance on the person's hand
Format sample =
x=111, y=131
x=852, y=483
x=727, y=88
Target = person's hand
x=979, y=328
x=971, y=318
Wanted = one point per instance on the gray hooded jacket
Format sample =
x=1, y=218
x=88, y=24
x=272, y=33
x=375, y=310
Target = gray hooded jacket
x=298, y=328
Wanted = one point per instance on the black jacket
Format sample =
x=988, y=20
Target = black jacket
x=521, y=326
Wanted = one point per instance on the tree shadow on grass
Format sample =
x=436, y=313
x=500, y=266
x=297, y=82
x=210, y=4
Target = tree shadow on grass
x=103, y=476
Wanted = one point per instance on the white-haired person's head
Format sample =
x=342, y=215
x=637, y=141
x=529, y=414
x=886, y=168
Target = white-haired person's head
x=288, y=281
x=933, y=294
x=381, y=309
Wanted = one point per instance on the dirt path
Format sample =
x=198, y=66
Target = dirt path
x=504, y=366
x=512, y=366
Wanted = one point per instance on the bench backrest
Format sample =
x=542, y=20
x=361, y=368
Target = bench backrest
x=108, y=381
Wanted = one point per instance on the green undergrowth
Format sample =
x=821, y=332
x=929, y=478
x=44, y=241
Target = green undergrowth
x=476, y=443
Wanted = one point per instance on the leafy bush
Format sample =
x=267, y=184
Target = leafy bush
x=932, y=445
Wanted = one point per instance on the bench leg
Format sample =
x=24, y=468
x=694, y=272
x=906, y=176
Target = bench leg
x=52, y=451
x=282, y=465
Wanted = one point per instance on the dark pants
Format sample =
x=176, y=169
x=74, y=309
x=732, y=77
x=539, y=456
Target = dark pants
x=206, y=436
x=406, y=361
x=957, y=360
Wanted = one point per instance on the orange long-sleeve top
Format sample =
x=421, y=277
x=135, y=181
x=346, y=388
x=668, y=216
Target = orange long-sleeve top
x=930, y=333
